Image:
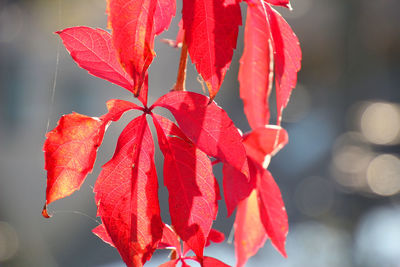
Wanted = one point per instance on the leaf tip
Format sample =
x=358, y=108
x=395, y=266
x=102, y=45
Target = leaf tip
x=45, y=214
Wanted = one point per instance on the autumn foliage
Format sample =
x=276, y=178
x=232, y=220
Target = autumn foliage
x=126, y=191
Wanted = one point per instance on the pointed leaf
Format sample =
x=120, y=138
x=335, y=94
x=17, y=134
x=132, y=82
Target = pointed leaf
x=211, y=29
x=272, y=210
x=265, y=142
x=70, y=149
x=208, y=126
x=133, y=31
x=250, y=234
x=287, y=58
x=70, y=152
x=191, y=185
x=92, y=50
x=256, y=67
x=126, y=194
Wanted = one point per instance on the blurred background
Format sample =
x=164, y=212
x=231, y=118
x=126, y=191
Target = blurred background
x=339, y=174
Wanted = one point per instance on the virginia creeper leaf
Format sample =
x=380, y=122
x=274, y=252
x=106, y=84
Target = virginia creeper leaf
x=71, y=148
x=272, y=210
x=92, y=50
x=191, y=184
x=70, y=152
x=133, y=31
x=265, y=142
x=126, y=194
x=211, y=29
x=250, y=234
x=256, y=67
x=287, y=58
x=208, y=126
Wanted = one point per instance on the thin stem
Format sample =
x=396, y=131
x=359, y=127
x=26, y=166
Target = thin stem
x=181, y=77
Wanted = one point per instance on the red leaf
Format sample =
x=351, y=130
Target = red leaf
x=211, y=29
x=191, y=185
x=208, y=126
x=256, y=67
x=215, y=236
x=71, y=149
x=101, y=232
x=70, y=152
x=92, y=50
x=250, y=234
x=287, y=58
x=272, y=210
x=133, y=31
x=213, y=262
x=264, y=142
x=126, y=194
x=236, y=187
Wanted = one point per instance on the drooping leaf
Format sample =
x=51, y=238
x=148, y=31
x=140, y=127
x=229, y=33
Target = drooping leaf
x=133, y=32
x=211, y=29
x=191, y=185
x=265, y=142
x=287, y=58
x=70, y=149
x=70, y=152
x=126, y=194
x=208, y=126
x=256, y=67
x=250, y=234
x=272, y=210
x=93, y=50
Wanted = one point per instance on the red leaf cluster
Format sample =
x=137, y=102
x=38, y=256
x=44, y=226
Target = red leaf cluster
x=126, y=191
